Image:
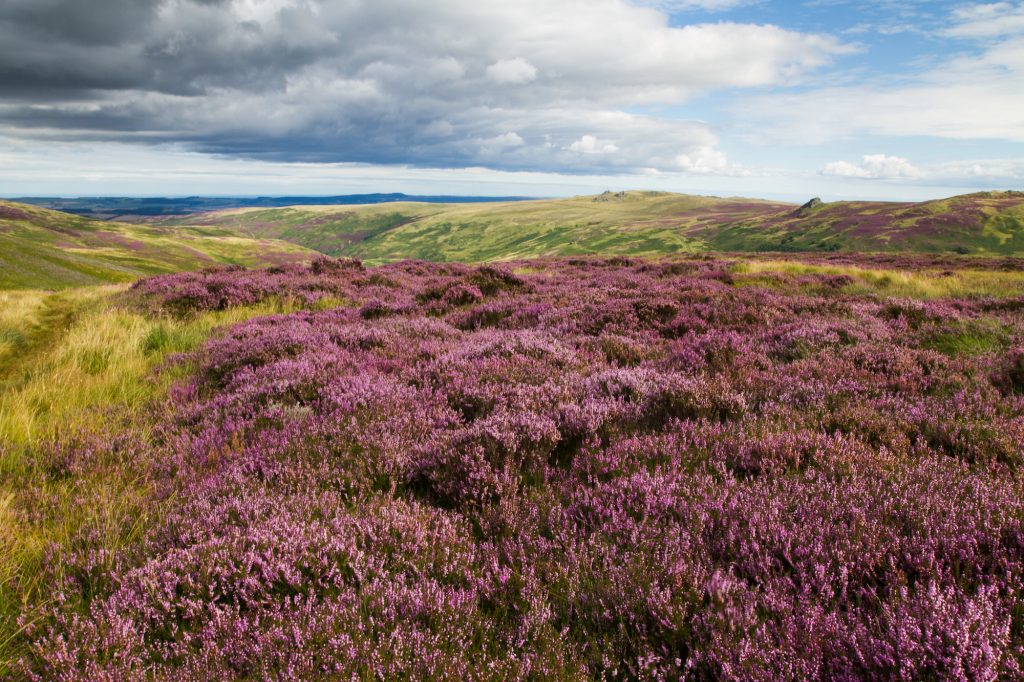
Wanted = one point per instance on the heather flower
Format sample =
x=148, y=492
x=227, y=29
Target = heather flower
x=562, y=469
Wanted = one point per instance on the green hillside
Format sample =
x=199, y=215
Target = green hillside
x=44, y=249
x=981, y=223
x=636, y=223
x=329, y=229
x=639, y=223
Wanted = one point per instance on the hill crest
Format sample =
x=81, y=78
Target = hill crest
x=638, y=223
x=45, y=249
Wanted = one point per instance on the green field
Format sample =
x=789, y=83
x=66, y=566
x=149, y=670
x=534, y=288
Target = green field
x=43, y=249
x=637, y=224
x=47, y=249
x=73, y=361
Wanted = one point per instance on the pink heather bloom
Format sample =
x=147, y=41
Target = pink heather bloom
x=599, y=469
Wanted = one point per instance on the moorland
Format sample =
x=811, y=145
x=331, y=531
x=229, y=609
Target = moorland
x=635, y=224
x=653, y=436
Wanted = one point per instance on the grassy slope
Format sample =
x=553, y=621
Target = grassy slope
x=43, y=249
x=68, y=360
x=640, y=223
x=328, y=229
x=637, y=223
x=987, y=223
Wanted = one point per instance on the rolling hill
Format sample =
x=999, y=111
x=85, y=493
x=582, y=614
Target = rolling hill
x=45, y=249
x=639, y=223
x=635, y=223
x=141, y=209
x=985, y=222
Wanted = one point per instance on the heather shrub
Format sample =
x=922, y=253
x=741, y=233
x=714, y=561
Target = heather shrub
x=491, y=280
x=684, y=398
x=462, y=295
x=565, y=469
x=324, y=265
x=628, y=351
x=1009, y=377
x=497, y=314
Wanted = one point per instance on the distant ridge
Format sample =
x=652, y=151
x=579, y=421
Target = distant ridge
x=41, y=248
x=110, y=208
x=45, y=249
x=637, y=224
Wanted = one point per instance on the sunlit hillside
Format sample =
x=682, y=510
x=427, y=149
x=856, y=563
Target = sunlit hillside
x=44, y=249
x=637, y=224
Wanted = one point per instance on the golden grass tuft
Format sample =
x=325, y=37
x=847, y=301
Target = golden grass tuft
x=922, y=284
x=81, y=361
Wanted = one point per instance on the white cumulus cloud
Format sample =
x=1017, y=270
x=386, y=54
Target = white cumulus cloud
x=703, y=160
x=987, y=20
x=439, y=83
x=515, y=71
x=588, y=144
x=510, y=139
x=875, y=166
x=884, y=167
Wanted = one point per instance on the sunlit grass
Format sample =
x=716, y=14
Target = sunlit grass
x=44, y=249
x=104, y=358
x=18, y=307
x=19, y=318
x=83, y=360
x=970, y=340
x=923, y=284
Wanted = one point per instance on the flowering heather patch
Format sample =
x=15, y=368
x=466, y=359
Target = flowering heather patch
x=218, y=289
x=568, y=470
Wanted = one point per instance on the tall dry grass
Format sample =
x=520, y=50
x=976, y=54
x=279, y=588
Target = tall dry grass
x=77, y=360
x=921, y=284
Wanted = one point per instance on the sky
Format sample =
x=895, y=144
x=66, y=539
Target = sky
x=882, y=99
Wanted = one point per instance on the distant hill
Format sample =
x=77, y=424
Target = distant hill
x=42, y=248
x=636, y=223
x=985, y=222
x=140, y=209
x=45, y=249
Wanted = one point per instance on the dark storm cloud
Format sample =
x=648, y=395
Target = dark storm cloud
x=515, y=84
x=185, y=48
x=80, y=22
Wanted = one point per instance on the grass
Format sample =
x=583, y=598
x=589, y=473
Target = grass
x=985, y=223
x=79, y=360
x=43, y=249
x=972, y=339
x=923, y=284
x=635, y=224
x=19, y=321
x=327, y=229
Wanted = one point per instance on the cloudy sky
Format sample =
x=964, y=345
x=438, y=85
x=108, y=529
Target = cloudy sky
x=788, y=99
